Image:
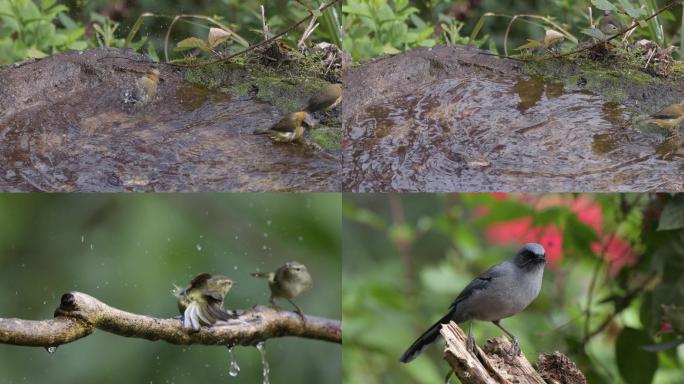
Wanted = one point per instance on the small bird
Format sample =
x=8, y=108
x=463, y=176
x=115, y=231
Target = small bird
x=551, y=39
x=668, y=117
x=201, y=303
x=502, y=291
x=289, y=129
x=287, y=282
x=145, y=89
x=609, y=24
x=326, y=99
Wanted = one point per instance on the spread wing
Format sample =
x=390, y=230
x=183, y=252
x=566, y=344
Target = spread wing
x=199, y=280
x=671, y=112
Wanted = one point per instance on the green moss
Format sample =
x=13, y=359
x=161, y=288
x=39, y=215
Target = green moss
x=329, y=138
x=617, y=77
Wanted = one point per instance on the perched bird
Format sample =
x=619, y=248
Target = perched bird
x=502, y=291
x=289, y=129
x=326, y=99
x=288, y=282
x=551, y=39
x=668, y=117
x=145, y=89
x=609, y=24
x=201, y=303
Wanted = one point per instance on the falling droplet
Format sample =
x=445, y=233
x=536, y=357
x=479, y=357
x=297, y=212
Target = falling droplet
x=262, y=350
x=51, y=349
x=233, y=368
x=82, y=239
x=199, y=247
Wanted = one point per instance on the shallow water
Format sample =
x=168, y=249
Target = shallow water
x=495, y=132
x=194, y=140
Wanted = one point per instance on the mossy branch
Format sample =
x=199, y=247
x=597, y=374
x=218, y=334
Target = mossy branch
x=79, y=315
x=493, y=364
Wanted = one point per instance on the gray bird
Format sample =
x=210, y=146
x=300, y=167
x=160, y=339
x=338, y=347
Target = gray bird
x=502, y=291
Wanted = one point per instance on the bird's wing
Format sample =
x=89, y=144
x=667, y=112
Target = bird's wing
x=480, y=282
x=190, y=318
x=670, y=112
x=282, y=126
x=199, y=279
x=218, y=313
x=212, y=296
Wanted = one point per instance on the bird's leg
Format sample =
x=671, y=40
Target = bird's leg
x=471, y=340
x=297, y=310
x=515, y=348
x=273, y=304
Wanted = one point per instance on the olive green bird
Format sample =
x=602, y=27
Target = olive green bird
x=609, y=24
x=326, y=99
x=668, y=117
x=289, y=129
x=201, y=303
x=288, y=282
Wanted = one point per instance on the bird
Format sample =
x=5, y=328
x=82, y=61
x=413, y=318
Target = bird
x=609, y=24
x=668, y=117
x=287, y=282
x=145, y=89
x=201, y=303
x=326, y=99
x=289, y=129
x=502, y=291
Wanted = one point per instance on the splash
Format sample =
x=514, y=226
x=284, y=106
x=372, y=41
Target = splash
x=264, y=363
x=51, y=349
x=233, y=367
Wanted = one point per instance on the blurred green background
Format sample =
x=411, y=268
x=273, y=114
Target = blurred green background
x=406, y=257
x=128, y=250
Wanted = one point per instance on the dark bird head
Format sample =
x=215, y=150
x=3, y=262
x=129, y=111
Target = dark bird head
x=532, y=255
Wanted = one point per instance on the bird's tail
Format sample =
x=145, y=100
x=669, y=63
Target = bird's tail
x=428, y=337
x=261, y=132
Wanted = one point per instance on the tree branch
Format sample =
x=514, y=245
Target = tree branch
x=80, y=314
x=493, y=364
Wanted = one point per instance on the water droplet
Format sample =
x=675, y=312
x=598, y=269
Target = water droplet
x=51, y=349
x=301, y=238
x=82, y=239
x=199, y=247
x=268, y=222
x=92, y=246
x=235, y=268
x=233, y=368
x=266, y=369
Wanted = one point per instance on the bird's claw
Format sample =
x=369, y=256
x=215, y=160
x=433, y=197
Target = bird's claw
x=515, y=348
x=470, y=343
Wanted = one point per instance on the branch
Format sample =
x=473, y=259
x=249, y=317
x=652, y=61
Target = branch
x=494, y=364
x=80, y=314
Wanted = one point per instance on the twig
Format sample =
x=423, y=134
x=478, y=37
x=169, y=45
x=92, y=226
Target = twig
x=79, y=315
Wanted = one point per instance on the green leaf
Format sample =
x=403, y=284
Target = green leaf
x=636, y=366
x=673, y=214
x=190, y=43
x=603, y=5
x=595, y=33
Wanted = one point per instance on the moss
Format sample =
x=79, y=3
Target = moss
x=617, y=76
x=329, y=138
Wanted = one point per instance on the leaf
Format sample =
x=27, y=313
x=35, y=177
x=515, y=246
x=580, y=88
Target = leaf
x=636, y=366
x=217, y=36
x=595, y=33
x=603, y=5
x=190, y=43
x=673, y=214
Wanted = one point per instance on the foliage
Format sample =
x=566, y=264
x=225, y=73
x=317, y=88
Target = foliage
x=129, y=250
x=376, y=27
x=407, y=258
x=29, y=30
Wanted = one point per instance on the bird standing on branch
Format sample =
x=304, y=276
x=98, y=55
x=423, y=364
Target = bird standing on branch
x=288, y=282
x=201, y=303
x=502, y=291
